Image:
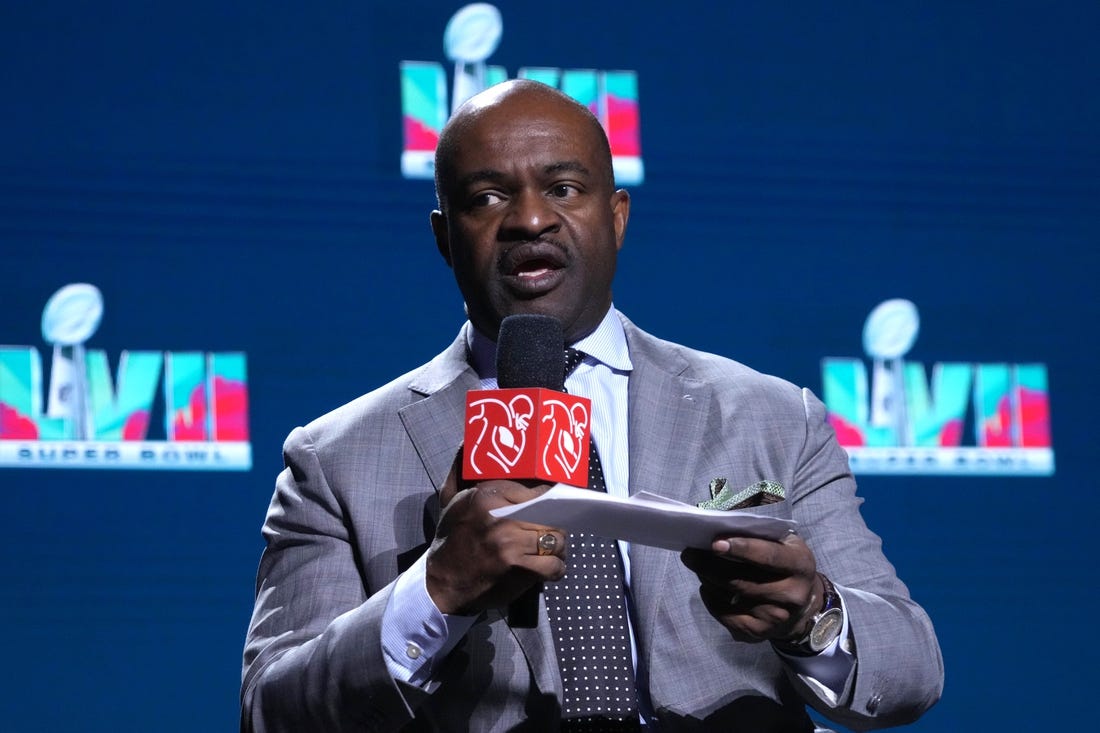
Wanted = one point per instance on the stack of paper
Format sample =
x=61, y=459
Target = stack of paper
x=644, y=518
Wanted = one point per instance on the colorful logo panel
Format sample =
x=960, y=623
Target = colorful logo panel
x=471, y=36
x=92, y=419
x=899, y=420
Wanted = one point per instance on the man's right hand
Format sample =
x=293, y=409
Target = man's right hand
x=477, y=561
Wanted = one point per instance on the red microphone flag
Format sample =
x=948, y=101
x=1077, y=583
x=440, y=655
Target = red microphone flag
x=527, y=433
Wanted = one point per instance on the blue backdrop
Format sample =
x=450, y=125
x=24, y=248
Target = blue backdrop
x=227, y=174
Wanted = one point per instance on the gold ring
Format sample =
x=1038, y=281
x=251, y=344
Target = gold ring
x=547, y=543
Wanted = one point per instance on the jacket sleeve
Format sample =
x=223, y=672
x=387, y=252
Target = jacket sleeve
x=899, y=669
x=313, y=655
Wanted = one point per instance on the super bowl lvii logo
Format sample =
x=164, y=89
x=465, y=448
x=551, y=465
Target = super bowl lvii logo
x=899, y=421
x=470, y=38
x=93, y=421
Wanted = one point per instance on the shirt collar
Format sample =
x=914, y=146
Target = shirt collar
x=606, y=344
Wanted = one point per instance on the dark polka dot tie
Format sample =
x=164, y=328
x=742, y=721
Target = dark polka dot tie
x=587, y=611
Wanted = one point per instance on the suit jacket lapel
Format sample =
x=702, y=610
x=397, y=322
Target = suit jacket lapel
x=444, y=382
x=668, y=415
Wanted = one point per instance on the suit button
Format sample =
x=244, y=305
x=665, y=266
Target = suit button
x=872, y=704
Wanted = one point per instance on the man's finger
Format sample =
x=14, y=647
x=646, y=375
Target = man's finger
x=549, y=541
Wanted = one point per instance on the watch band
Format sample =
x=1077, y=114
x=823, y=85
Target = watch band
x=825, y=626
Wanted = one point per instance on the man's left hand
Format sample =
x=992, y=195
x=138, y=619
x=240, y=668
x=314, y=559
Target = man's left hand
x=758, y=589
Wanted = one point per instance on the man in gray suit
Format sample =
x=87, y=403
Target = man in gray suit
x=381, y=594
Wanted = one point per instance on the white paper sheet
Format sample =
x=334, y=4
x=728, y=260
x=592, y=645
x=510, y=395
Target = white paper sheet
x=644, y=518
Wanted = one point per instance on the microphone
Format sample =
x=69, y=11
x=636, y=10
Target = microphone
x=529, y=428
x=531, y=352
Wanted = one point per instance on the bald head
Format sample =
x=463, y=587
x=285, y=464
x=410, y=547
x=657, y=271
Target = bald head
x=519, y=99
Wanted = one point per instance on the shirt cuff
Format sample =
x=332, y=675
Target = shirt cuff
x=827, y=672
x=415, y=634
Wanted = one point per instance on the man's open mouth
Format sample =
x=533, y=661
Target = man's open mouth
x=537, y=265
x=534, y=268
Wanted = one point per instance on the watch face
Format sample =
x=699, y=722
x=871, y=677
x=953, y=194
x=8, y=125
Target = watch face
x=826, y=629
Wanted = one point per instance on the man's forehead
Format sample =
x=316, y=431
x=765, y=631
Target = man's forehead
x=520, y=126
x=526, y=130
x=527, y=136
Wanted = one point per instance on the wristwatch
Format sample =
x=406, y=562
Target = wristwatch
x=824, y=628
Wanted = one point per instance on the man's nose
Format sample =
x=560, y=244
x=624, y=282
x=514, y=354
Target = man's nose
x=530, y=215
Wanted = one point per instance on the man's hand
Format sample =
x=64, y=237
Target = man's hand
x=758, y=589
x=478, y=561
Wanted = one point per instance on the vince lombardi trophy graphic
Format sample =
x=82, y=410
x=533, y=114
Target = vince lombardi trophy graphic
x=471, y=36
x=888, y=334
x=70, y=317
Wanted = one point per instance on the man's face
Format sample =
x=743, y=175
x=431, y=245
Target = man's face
x=532, y=223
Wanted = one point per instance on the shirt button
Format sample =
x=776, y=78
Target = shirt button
x=412, y=651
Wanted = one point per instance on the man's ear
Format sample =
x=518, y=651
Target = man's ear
x=442, y=241
x=620, y=213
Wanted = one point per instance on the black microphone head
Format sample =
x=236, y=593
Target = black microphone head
x=531, y=352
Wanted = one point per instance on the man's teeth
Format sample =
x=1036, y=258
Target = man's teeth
x=534, y=273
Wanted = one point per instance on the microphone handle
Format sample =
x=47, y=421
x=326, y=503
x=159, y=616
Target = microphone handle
x=524, y=611
x=530, y=353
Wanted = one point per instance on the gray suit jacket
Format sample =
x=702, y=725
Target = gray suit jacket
x=358, y=502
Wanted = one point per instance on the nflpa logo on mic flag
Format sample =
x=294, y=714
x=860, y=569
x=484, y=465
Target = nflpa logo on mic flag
x=527, y=433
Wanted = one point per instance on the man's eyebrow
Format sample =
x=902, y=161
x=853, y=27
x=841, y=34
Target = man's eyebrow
x=567, y=166
x=480, y=176
x=491, y=175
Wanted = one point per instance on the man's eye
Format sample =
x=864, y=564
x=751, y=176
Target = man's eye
x=487, y=198
x=563, y=190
